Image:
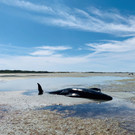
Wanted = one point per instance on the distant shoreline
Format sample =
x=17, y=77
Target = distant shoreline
x=21, y=75
x=29, y=71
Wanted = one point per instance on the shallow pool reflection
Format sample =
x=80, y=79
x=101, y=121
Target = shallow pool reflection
x=97, y=110
x=53, y=83
x=118, y=109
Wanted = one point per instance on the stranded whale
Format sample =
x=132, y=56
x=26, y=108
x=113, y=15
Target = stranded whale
x=91, y=93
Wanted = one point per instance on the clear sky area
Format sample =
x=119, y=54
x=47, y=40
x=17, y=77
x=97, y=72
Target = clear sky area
x=67, y=35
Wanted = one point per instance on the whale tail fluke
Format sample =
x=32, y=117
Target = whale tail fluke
x=40, y=90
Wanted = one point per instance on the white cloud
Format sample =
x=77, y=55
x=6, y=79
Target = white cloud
x=118, y=57
x=113, y=55
x=95, y=62
x=28, y=5
x=111, y=23
x=55, y=48
x=49, y=50
x=50, y=63
x=42, y=52
x=92, y=19
x=114, y=46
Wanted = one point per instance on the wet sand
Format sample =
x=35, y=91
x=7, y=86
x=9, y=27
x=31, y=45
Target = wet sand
x=18, y=114
x=11, y=76
x=50, y=123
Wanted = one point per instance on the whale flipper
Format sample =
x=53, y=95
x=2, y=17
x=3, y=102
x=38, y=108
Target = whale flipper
x=40, y=90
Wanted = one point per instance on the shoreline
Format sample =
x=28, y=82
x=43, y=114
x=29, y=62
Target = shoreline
x=13, y=76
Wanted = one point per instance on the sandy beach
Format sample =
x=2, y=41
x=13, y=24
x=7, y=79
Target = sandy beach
x=19, y=113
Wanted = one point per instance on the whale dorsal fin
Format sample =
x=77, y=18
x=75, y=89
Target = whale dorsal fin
x=40, y=90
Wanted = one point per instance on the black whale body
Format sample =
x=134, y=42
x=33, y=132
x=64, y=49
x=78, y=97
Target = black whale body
x=91, y=93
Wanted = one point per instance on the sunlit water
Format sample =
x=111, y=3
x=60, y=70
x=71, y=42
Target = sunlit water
x=118, y=109
x=54, y=83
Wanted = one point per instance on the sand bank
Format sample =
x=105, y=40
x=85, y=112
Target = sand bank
x=12, y=76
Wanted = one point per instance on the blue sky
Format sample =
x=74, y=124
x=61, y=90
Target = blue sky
x=67, y=35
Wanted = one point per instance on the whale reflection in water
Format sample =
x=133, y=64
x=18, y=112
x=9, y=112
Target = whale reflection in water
x=90, y=93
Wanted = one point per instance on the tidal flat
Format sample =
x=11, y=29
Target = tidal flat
x=22, y=111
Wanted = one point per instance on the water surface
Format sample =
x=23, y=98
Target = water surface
x=118, y=109
x=54, y=83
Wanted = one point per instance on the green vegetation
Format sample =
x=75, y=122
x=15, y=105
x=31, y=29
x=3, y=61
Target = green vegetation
x=27, y=71
x=22, y=71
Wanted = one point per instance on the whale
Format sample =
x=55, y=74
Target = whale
x=89, y=93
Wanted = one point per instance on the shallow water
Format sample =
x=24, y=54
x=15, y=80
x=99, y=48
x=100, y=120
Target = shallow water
x=119, y=109
x=55, y=83
x=116, y=107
